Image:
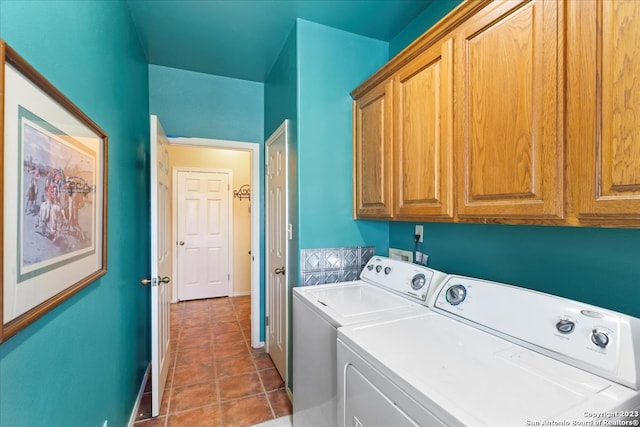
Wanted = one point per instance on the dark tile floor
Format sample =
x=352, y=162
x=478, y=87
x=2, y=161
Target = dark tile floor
x=215, y=377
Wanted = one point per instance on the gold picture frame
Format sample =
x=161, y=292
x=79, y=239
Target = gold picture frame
x=53, y=204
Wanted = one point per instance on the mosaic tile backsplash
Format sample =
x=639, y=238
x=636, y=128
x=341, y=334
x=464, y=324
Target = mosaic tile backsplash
x=331, y=265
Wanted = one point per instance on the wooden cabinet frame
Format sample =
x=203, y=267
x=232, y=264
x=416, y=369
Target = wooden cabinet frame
x=569, y=150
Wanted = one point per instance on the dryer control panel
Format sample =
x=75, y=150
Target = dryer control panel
x=592, y=338
x=402, y=277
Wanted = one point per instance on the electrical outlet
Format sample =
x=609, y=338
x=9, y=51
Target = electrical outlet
x=419, y=232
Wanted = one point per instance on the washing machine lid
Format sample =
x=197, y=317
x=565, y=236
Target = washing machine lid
x=348, y=303
x=466, y=376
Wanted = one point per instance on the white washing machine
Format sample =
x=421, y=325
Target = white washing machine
x=492, y=355
x=387, y=289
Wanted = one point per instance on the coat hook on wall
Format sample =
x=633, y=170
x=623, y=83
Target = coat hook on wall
x=244, y=192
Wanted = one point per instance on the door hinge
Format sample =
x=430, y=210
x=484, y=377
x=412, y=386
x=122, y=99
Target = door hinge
x=228, y=276
x=266, y=320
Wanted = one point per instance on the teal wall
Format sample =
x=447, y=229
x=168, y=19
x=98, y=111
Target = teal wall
x=595, y=265
x=331, y=63
x=281, y=87
x=200, y=105
x=429, y=16
x=281, y=103
x=309, y=84
x=83, y=362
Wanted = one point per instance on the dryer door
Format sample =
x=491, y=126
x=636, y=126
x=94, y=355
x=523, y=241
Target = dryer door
x=366, y=398
x=366, y=405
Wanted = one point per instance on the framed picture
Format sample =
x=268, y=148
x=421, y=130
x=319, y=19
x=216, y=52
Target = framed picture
x=53, y=195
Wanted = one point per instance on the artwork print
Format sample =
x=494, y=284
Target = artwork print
x=58, y=189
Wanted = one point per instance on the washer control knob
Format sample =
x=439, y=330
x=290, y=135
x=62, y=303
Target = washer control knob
x=456, y=294
x=387, y=270
x=370, y=267
x=378, y=268
x=418, y=281
x=565, y=326
x=599, y=338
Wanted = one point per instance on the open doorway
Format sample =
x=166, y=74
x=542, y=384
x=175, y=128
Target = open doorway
x=246, y=259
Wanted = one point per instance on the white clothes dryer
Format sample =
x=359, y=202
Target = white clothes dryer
x=491, y=355
x=387, y=289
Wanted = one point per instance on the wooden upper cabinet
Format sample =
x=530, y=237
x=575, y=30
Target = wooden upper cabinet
x=509, y=146
x=372, y=153
x=423, y=177
x=603, y=109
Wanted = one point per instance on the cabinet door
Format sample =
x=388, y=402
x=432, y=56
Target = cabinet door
x=603, y=108
x=509, y=150
x=372, y=153
x=423, y=135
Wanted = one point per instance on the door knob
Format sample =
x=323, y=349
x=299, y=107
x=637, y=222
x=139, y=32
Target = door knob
x=153, y=282
x=181, y=242
x=279, y=270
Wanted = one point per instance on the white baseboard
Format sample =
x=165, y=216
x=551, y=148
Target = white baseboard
x=241, y=293
x=136, y=407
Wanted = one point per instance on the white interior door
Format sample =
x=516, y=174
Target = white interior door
x=276, y=159
x=160, y=262
x=203, y=235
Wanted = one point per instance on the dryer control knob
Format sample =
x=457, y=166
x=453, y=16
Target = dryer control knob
x=565, y=326
x=418, y=281
x=370, y=267
x=456, y=294
x=378, y=268
x=387, y=270
x=599, y=338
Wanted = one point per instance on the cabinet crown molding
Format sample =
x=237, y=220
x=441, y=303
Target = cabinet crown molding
x=439, y=30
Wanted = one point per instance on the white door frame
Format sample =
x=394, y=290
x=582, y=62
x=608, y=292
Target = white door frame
x=256, y=193
x=174, y=224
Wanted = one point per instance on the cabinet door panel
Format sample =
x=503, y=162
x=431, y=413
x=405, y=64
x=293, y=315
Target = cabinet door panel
x=604, y=107
x=620, y=161
x=372, y=156
x=507, y=113
x=422, y=148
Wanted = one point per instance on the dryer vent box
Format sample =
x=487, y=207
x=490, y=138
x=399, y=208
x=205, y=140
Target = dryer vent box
x=400, y=254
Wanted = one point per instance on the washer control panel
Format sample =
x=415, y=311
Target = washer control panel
x=598, y=340
x=412, y=280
